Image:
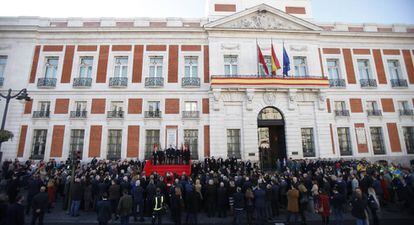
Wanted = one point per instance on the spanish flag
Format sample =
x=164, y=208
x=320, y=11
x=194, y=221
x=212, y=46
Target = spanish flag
x=275, y=62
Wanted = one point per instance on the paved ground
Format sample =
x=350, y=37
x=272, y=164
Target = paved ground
x=388, y=216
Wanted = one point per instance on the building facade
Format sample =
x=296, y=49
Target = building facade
x=115, y=88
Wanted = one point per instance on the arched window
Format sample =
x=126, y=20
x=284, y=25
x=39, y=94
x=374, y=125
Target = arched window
x=270, y=113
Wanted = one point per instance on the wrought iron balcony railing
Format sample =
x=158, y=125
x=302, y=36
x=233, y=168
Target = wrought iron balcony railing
x=118, y=81
x=46, y=82
x=399, y=83
x=41, y=114
x=190, y=82
x=406, y=112
x=368, y=82
x=337, y=83
x=152, y=114
x=191, y=114
x=82, y=82
x=375, y=112
x=116, y=114
x=343, y=112
x=78, y=114
x=154, y=81
x=1, y=81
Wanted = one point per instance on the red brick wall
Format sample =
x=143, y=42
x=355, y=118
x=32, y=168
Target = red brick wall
x=394, y=139
x=361, y=51
x=32, y=77
x=409, y=65
x=98, y=106
x=331, y=51
x=356, y=105
x=362, y=148
x=95, y=141
x=173, y=64
x=102, y=64
x=135, y=106
x=137, y=63
x=191, y=48
x=328, y=105
x=28, y=107
x=379, y=65
x=67, y=64
x=387, y=105
x=349, y=66
x=160, y=48
x=22, y=141
x=391, y=52
x=53, y=48
x=206, y=106
x=206, y=141
x=206, y=64
x=62, y=106
x=133, y=141
x=87, y=48
x=172, y=106
x=224, y=7
x=57, y=141
x=295, y=10
x=116, y=48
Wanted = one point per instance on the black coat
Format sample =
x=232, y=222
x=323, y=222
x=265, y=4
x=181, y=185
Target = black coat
x=103, y=209
x=222, y=198
x=15, y=214
x=40, y=201
x=76, y=191
x=33, y=186
x=238, y=200
x=211, y=193
x=358, y=207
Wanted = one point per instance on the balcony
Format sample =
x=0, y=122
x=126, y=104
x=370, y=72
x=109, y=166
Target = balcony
x=78, y=114
x=343, y=112
x=337, y=83
x=152, y=114
x=1, y=81
x=41, y=114
x=310, y=82
x=118, y=82
x=399, y=83
x=190, y=82
x=374, y=112
x=46, y=82
x=191, y=114
x=119, y=114
x=154, y=81
x=406, y=112
x=368, y=83
x=82, y=82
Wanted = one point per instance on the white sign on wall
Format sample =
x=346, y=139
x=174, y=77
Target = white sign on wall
x=171, y=137
x=360, y=133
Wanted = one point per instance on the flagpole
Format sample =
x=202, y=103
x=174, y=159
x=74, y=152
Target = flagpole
x=271, y=57
x=257, y=57
x=283, y=58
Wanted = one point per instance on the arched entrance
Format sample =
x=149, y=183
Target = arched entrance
x=271, y=136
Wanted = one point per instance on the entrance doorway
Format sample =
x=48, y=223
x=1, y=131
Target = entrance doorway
x=271, y=136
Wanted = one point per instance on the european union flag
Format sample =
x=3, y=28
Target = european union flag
x=286, y=62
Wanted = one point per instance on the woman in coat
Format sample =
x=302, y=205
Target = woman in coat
x=176, y=205
x=323, y=207
x=293, y=203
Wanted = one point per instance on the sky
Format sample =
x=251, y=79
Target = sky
x=350, y=11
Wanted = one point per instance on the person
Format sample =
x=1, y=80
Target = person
x=158, y=203
x=51, y=193
x=359, y=206
x=192, y=203
x=125, y=207
x=338, y=201
x=211, y=195
x=373, y=205
x=275, y=197
x=76, y=196
x=15, y=212
x=138, y=196
x=292, y=203
x=239, y=205
x=176, y=205
x=13, y=188
x=103, y=210
x=222, y=200
x=87, y=195
x=33, y=187
x=323, y=206
x=114, y=196
x=249, y=205
x=303, y=201
x=260, y=203
x=39, y=206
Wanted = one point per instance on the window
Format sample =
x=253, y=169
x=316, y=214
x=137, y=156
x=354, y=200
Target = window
x=377, y=140
x=76, y=141
x=116, y=106
x=44, y=106
x=409, y=139
x=403, y=105
x=364, y=69
x=39, y=144
x=155, y=69
x=51, y=66
x=340, y=105
x=191, y=66
x=333, y=68
x=152, y=138
x=190, y=106
x=3, y=62
x=230, y=65
x=301, y=68
x=121, y=66
x=395, y=69
x=80, y=106
x=372, y=105
x=308, y=145
x=191, y=139
x=233, y=143
x=153, y=106
x=344, y=139
x=268, y=61
x=85, y=67
x=114, y=144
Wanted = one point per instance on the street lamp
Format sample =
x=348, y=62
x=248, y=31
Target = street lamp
x=21, y=95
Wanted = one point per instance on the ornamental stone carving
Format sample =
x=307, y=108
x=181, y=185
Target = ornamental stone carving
x=263, y=20
x=249, y=98
x=298, y=48
x=216, y=98
x=269, y=98
x=230, y=46
x=321, y=100
x=292, y=99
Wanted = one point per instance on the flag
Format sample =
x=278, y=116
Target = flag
x=286, y=63
x=262, y=60
x=275, y=62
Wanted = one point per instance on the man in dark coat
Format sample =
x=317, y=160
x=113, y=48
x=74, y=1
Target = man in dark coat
x=39, y=206
x=260, y=203
x=211, y=195
x=239, y=204
x=15, y=212
x=359, y=205
x=13, y=188
x=103, y=209
x=76, y=196
x=138, y=196
x=222, y=200
x=275, y=198
x=192, y=204
x=33, y=187
x=125, y=207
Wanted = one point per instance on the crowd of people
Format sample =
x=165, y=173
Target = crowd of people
x=171, y=155
x=119, y=190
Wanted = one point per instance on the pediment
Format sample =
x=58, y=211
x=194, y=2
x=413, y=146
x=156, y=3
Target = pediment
x=263, y=17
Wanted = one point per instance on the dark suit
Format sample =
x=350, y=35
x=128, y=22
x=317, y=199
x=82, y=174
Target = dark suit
x=39, y=206
x=103, y=209
x=15, y=214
